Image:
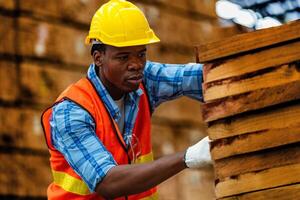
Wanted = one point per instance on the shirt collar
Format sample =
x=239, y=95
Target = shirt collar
x=108, y=101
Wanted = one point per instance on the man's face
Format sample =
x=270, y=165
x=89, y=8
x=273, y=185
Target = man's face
x=122, y=68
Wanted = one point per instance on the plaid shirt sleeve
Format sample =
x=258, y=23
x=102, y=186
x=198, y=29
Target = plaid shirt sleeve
x=73, y=134
x=168, y=81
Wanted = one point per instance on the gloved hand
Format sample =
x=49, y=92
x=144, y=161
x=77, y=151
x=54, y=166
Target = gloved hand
x=198, y=155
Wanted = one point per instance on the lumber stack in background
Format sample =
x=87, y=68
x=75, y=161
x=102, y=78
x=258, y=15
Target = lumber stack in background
x=251, y=90
x=42, y=51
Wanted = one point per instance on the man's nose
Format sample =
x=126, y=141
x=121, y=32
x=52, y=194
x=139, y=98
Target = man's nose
x=135, y=63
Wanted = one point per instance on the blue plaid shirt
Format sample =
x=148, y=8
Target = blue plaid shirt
x=73, y=129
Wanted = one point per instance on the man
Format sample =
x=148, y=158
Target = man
x=98, y=131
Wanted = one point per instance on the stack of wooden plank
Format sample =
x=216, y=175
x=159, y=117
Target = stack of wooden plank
x=251, y=91
x=42, y=51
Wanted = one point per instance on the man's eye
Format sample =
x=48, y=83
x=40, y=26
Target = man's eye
x=142, y=55
x=123, y=58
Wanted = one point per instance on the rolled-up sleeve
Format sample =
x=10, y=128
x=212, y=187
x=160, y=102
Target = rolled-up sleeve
x=73, y=134
x=168, y=81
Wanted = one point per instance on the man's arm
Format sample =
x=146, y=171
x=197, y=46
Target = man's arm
x=73, y=134
x=76, y=140
x=131, y=179
x=165, y=82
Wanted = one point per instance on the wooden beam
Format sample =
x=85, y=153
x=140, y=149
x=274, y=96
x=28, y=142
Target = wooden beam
x=282, y=116
x=8, y=81
x=260, y=180
x=268, y=78
x=39, y=82
x=27, y=134
x=248, y=41
x=53, y=41
x=257, y=161
x=7, y=4
x=24, y=175
x=251, y=101
x=256, y=141
x=8, y=34
x=63, y=9
x=289, y=192
x=251, y=62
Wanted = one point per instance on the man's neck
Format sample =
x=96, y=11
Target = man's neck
x=113, y=91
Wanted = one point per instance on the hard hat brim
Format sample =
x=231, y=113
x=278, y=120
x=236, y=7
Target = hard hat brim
x=154, y=39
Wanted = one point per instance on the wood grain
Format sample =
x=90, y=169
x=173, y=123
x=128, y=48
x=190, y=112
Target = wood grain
x=256, y=141
x=63, y=9
x=24, y=175
x=27, y=133
x=8, y=81
x=251, y=62
x=7, y=4
x=289, y=192
x=257, y=161
x=253, y=181
x=251, y=101
x=39, y=83
x=248, y=41
x=268, y=78
x=278, y=117
x=53, y=41
x=7, y=35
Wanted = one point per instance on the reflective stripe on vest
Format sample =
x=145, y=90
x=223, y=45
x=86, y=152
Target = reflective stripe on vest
x=145, y=158
x=154, y=196
x=70, y=183
x=77, y=186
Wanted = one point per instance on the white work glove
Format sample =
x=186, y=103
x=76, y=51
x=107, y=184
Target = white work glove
x=198, y=155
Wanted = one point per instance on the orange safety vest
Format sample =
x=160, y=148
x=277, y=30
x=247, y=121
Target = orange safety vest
x=67, y=184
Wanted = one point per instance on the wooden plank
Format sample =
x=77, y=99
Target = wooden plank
x=7, y=35
x=284, y=116
x=7, y=4
x=248, y=41
x=39, y=82
x=27, y=134
x=251, y=101
x=85, y=9
x=8, y=80
x=182, y=110
x=261, y=59
x=206, y=8
x=268, y=78
x=256, y=141
x=279, y=176
x=289, y=192
x=173, y=24
x=63, y=9
x=53, y=41
x=24, y=175
x=257, y=161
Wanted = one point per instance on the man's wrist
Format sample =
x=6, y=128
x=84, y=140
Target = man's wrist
x=184, y=159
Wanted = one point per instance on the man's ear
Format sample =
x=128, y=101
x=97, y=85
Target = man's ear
x=98, y=57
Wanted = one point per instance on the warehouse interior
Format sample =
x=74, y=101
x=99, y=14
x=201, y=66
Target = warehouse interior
x=42, y=51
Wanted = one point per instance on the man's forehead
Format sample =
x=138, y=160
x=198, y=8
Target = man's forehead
x=130, y=49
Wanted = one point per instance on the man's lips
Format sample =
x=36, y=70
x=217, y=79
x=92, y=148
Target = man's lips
x=135, y=79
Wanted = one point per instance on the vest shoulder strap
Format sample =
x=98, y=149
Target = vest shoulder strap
x=81, y=93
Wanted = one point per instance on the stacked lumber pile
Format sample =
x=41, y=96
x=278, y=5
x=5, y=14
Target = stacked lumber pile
x=251, y=91
x=42, y=51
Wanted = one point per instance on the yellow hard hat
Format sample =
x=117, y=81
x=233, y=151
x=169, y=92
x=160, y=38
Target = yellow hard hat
x=120, y=23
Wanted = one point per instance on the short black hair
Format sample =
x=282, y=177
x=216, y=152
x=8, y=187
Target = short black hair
x=98, y=47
